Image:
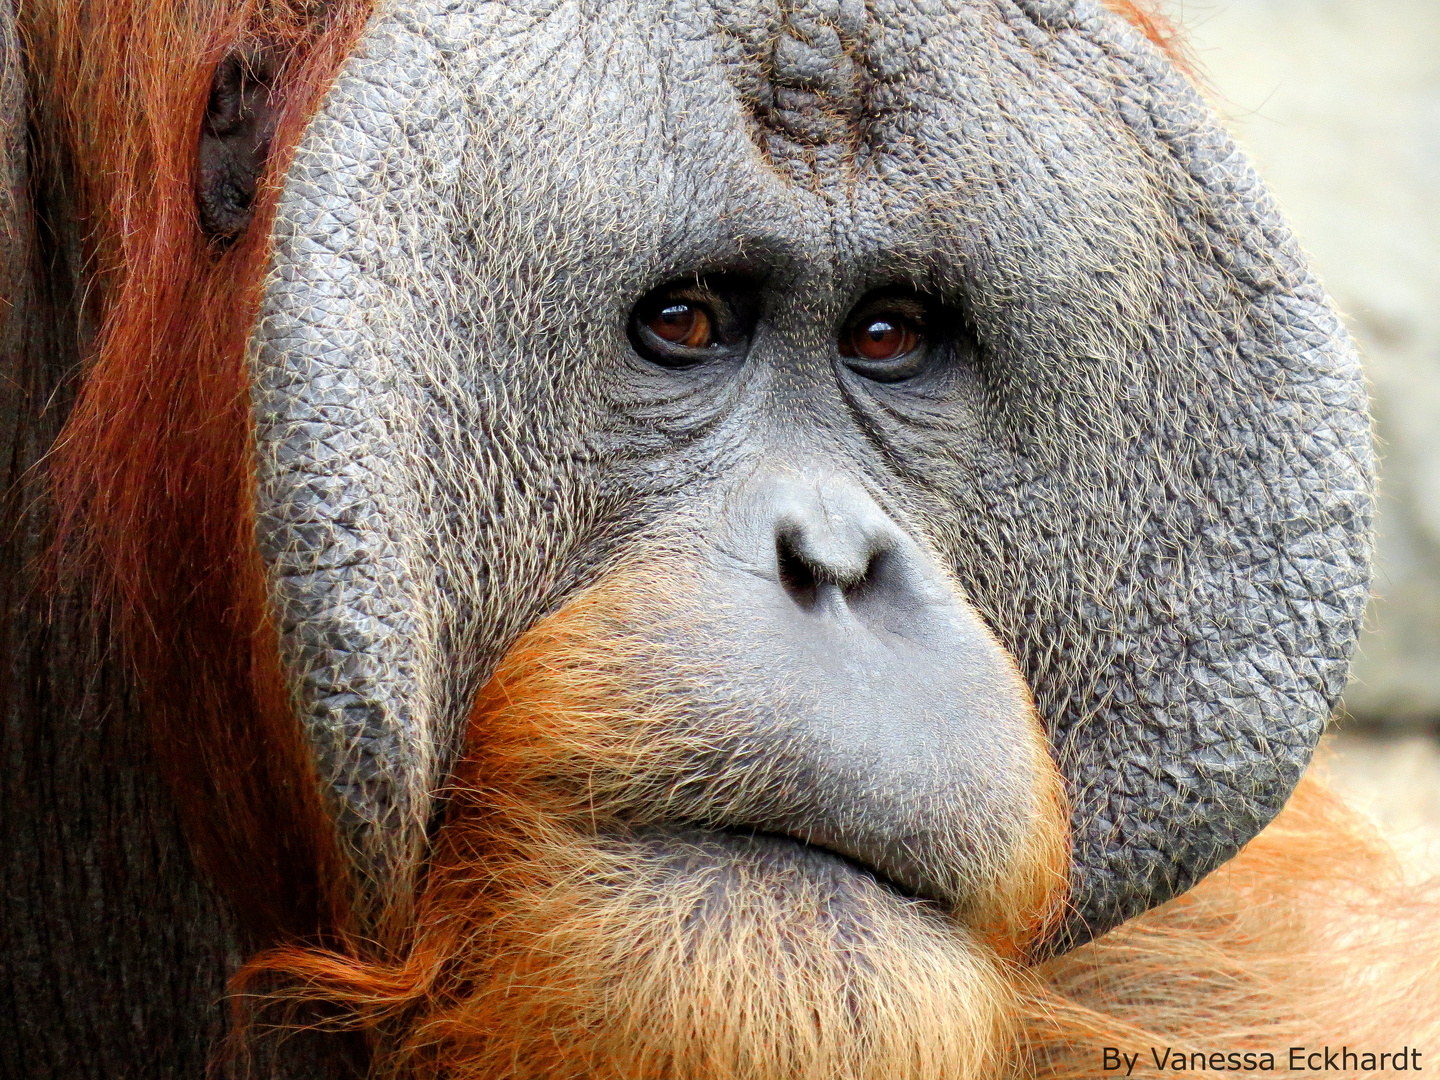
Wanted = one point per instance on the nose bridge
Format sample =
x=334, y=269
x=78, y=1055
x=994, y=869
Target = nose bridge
x=821, y=513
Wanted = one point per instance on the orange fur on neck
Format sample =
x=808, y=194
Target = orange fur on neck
x=549, y=941
x=1312, y=936
x=546, y=944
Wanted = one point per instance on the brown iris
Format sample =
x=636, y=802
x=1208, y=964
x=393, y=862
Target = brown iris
x=880, y=338
x=682, y=324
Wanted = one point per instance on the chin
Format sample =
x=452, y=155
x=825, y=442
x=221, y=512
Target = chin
x=698, y=953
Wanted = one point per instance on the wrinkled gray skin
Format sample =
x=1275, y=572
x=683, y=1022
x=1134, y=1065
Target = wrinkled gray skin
x=1141, y=448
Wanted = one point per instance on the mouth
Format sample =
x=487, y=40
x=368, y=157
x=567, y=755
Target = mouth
x=736, y=856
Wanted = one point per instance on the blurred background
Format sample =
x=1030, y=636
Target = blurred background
x=1338, y=103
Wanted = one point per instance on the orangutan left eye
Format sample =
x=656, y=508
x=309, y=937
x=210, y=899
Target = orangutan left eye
x=885, y=343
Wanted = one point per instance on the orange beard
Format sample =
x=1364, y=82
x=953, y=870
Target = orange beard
x=566, y=927
x=561, y=932
x=605, y=960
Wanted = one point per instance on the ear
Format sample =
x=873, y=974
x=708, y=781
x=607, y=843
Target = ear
x=235, y=141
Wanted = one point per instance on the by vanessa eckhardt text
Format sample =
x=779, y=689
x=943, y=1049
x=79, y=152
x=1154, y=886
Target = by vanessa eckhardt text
x=1294, y=1059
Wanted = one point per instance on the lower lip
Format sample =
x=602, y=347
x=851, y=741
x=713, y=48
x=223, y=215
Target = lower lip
x=692, y=849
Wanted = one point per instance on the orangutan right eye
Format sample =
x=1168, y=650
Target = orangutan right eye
x=691, y=322
x=881, y=340
x=885, y=338
x=686, y=325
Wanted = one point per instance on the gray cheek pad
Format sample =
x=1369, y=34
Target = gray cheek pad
x=1180, y=555
x=1177, y=553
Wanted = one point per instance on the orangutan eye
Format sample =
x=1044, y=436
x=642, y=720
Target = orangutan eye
x=692, y=322
x=885, y=339
x=686, y=325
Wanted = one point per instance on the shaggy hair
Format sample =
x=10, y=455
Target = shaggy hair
x=152, y=473
x=559, y=933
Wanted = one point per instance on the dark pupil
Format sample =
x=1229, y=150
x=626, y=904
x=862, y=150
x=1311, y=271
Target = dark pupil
x=675, y=323
x=881, y=340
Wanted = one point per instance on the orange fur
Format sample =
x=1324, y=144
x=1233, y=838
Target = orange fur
x=152, y=470
x=1148, y=17
x=1311, y=936
x=550, y=941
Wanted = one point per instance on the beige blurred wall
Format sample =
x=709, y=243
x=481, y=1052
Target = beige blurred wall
x=1338, y=102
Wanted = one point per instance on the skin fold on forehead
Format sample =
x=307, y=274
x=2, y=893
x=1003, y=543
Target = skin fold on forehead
x=1155, y=490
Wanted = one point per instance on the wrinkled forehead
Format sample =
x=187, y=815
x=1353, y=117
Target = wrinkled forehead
x=830, y=132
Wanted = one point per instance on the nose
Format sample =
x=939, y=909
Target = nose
x=835, y=553
x=830, y=540
x=902, y=731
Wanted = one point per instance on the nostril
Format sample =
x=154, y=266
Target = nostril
x=796, y=575
x=813, y=583
x=856, y=589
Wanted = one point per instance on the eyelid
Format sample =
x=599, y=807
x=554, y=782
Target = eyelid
x=695, y=293
x=904, y=306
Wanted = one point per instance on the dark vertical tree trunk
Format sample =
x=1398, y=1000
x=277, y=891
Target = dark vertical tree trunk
x=114, y=952
x=114, y=949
